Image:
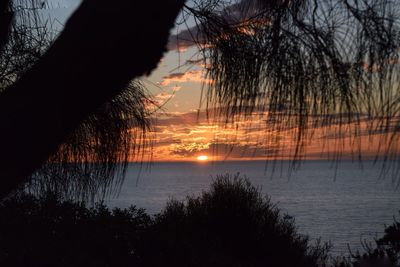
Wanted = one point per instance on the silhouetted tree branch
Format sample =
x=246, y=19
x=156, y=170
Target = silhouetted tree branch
x=100, y=50
x=95, y=155
x=306, y=64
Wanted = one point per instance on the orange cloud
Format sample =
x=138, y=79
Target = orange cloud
x=164, y=96
x=196, y=76
x=184, y=136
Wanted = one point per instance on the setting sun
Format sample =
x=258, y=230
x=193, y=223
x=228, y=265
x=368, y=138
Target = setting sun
x=202, y=158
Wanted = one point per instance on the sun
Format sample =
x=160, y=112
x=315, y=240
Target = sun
x=202, y=158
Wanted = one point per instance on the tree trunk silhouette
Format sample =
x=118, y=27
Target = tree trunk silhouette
x=102, y=48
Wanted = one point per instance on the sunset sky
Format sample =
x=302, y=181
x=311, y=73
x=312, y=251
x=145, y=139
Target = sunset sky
x=183, y=133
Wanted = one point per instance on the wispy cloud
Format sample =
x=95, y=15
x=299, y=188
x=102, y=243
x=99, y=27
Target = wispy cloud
x=223, y=150
x=184, y=136
x=195, y=76
x=164, y=96
x=232, y=14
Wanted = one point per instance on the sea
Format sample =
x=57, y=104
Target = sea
x=345, y=203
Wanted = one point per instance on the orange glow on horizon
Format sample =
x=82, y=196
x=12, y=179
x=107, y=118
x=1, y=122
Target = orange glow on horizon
x=202, y=158
x=189, y=137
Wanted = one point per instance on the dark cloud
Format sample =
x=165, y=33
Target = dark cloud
x=176, y=75
x=226, y=150
x=230, y=14
x=194, y=62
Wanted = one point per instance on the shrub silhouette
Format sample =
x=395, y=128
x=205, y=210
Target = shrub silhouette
x=49, y=232
x=385, y=253
x=231, y=225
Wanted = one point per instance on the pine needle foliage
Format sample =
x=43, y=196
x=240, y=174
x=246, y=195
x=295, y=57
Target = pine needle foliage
x=305, y=65
x=91, y=163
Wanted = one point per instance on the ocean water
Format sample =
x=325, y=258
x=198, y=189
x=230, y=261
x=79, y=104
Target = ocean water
x=346, y=205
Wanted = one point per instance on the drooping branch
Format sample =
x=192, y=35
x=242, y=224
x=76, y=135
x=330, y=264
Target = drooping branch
x=92, y=161
x=101, y=49
x=306, y=64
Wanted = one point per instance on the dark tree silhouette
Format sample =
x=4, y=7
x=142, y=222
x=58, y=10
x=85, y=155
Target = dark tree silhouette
x=98, y=53
x=103, y=143
x=308, y=63
x=5, y=22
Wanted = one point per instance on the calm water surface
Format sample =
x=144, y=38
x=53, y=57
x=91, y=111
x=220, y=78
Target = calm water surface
x=345, y=209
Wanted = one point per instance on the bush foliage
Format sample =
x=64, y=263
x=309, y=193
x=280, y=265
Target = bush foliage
x=232, y=224
x=50, y=232
x=384, y=253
